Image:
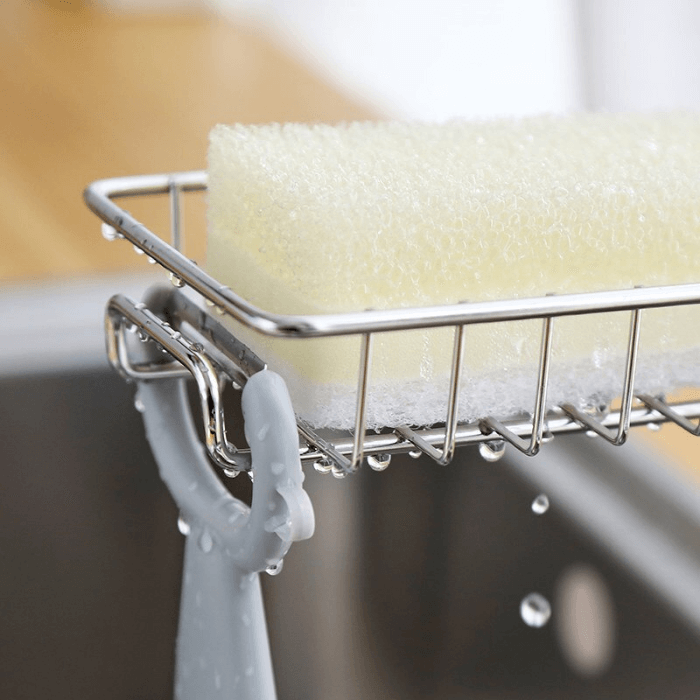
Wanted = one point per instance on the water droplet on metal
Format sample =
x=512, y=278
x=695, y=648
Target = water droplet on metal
x=150, y=260
x=143, y=336
x=109, y=233
x=275, y=569
x=547, y=437
x=231, y=473
x=323, y=465
x=140, y=306
x=176, y=280
x=138, y=250
x=206, y=543
x=492, y=450
x=337, y=472
x=139, y=405
x=183, y=526
x=540, y=505
x=219, y=310
x=591, y=434
x=379, y=462
x=535, y=610
x=654, y=427
x=415, y=454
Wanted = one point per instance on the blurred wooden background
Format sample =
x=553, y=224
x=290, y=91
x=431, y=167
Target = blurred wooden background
x=90, y=94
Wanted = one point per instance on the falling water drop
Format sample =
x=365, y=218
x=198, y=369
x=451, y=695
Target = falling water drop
x=139, y=405
x=206, y=543
x=379, y=462
x=540, y=505
x=275, y=569
x=535, y=610
x=323, y=465
x=492, y=450
x=183, y=526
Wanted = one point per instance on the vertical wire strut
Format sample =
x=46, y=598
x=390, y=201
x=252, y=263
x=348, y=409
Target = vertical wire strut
x=176, y=237
x=445, y=455
x=361, y=406
x=490, y=424
x=616, y=438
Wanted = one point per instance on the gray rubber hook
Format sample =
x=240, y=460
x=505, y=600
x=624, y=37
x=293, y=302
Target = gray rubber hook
x=222, y=646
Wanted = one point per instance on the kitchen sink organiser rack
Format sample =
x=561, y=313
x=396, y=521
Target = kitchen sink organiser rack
x=222, y=648
x=200, y=346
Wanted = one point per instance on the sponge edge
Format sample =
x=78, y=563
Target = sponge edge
x=320, y=219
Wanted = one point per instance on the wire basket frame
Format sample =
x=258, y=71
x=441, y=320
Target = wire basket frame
x=201, y=347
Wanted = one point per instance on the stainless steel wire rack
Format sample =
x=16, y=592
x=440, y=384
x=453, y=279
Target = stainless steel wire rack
x=196, y=344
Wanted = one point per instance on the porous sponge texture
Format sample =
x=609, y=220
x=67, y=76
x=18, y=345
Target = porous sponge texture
x=319, y=219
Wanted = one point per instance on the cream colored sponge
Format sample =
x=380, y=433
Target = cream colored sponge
x=319, y=219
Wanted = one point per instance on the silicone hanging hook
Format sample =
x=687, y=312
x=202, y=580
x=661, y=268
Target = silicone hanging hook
x=222, y=646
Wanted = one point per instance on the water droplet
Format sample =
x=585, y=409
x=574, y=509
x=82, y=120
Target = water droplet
x=176, y=280
x=143, y=336
x=138, y=250
x=535, y=610
x=654, y=427
x=540, y=505
x=337, y=472
x=109, y=233
x=219, y=310
x=140, y=306
x=251, y=476
x=591, y=434
x=547, y=437
x=415, y=454
x=492, y=450
x=139, y=405
x=206, y=543
x=231, y=473
x=379, y=462
x=183, y=526
x=236, y=386
x=275, y=569
x=323, y=465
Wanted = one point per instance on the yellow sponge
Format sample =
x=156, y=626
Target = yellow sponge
x=319, y=219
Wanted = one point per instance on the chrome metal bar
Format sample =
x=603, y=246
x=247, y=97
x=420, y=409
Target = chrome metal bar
x=176, y=238
x=656, y=404
x=361, y=406
x=618, y=437
x=531, y=447
x=192, y=361
x=98, y=198
x=444, y=456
